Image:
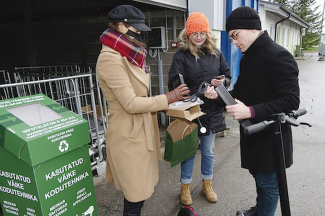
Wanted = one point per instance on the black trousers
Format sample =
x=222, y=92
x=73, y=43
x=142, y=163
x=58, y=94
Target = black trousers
x=132, y=208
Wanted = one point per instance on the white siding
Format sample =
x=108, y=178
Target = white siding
x=173, y=4
x=288, y=34
x=213, y=9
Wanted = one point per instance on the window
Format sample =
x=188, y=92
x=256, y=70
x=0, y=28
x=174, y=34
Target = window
x=277, y=34
x=271, y=32
x=283, y=37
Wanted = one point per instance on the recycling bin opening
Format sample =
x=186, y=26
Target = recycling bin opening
x=34, y=114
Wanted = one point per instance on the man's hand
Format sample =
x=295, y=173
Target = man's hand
x=210, y=93
x=239, y=111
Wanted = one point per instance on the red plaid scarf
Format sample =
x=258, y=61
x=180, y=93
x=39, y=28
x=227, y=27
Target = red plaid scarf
x=118, y=42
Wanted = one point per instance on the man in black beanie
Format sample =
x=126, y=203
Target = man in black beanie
x=267, y=84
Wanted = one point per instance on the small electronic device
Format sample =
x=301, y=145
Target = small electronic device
x=177, y=80
x=181, y=78
x=220, y=77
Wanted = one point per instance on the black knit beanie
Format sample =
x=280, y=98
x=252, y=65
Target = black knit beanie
x=243, y=18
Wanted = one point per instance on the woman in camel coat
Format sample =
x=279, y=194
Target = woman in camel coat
x=132, y=138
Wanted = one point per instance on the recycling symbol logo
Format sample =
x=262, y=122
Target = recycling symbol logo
x=63, y=146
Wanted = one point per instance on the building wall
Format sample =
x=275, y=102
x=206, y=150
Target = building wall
x=287, y=33
x=213, y=9
x=157, y=19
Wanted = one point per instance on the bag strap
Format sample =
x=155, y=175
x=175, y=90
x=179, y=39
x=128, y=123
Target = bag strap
x=188, y=126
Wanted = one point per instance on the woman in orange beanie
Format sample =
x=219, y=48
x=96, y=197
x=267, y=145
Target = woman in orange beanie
x=199, y=60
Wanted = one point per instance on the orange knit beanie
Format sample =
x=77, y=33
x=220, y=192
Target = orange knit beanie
x=197, y=22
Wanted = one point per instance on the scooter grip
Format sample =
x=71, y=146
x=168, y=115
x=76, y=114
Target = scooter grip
x=300, y=112
x=254, y=128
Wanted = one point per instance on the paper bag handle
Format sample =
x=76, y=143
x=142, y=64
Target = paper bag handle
x=188, y=126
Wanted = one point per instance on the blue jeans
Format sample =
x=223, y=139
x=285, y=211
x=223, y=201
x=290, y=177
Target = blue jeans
x=206, y=147
x=267, y=193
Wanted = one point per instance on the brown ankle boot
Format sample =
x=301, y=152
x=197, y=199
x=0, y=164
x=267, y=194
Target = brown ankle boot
x=208, y=191
x=186, y=198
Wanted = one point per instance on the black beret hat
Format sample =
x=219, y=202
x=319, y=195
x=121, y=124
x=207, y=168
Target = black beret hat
x=129, y=14
x=243, y=18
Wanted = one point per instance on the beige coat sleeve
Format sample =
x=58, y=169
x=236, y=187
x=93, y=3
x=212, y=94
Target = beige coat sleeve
x=129, y=84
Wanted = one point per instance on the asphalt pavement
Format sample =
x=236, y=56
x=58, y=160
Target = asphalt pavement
x=235, y=186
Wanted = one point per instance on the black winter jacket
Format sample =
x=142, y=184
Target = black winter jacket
x=268, y=81
x=205, y=68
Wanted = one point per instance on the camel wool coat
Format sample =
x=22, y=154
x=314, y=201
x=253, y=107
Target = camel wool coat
x=132, y=137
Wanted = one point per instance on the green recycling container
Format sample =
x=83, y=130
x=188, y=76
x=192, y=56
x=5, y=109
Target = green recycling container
x=298, y=50
x=45, y=165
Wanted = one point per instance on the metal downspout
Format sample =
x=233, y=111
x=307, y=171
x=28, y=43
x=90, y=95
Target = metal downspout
x=187, y=11
x=276, y=25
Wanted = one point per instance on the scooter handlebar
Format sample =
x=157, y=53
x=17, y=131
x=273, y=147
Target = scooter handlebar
x=264, y=124
x=257, y=127
x=299, y=112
